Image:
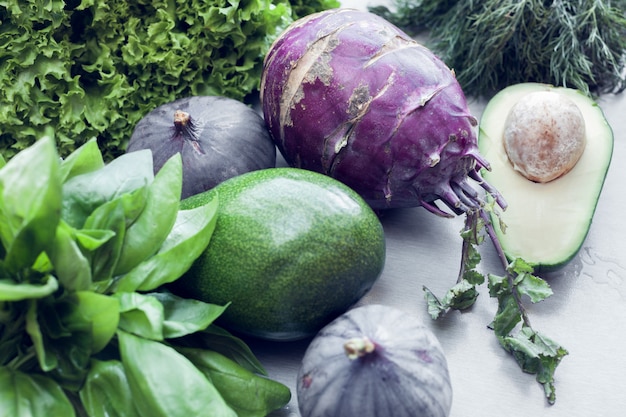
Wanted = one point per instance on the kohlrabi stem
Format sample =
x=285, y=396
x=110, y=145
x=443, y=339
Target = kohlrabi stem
x=505, y=263
x=494, y=238
x=464, y=256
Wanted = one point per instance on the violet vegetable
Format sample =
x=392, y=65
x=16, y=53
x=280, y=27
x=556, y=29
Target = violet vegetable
x=217, y=137
x=374, y=361
x=347, y=94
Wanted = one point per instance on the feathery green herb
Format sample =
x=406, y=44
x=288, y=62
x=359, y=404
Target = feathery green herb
x=494, y=43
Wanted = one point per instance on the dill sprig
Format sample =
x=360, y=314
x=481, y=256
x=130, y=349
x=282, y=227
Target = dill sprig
x=495, y=43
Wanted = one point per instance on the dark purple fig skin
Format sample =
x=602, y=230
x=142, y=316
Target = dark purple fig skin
x=223, y=138
x=348, y=94
x=406, y=375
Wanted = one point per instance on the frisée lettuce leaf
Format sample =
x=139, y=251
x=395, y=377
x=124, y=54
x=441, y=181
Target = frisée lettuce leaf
x=93, y=69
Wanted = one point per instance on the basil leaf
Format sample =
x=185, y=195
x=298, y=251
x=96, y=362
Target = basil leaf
x=102, y=311
x=62, y=339
x=84, y=193
x=109, y=216
x=187, y=240
x=106, y=392
x=222, y=341
x=30, y=201
x=47, y=360
x=92, y=239
x=11, y=290
x=166, y=384
x=250, y=395
x=71, y=266
x=186, y=316
x=141, y=315
x=86, y=158
x=11, y=330
x=31, y=395
x=146, y=234
x=9, y=346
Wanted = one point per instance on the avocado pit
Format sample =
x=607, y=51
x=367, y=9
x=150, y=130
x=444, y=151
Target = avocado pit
x=544, y=136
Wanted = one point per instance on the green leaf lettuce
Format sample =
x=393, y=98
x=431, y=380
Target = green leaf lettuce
x=92, y=69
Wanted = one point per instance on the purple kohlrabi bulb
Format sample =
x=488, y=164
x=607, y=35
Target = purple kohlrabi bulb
x=348, y=94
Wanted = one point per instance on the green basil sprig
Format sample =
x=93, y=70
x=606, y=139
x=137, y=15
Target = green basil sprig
x=86, y=325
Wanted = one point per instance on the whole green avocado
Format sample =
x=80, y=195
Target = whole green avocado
x=291, y=250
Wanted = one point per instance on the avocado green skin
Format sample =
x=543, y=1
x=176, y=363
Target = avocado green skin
x=291, y=250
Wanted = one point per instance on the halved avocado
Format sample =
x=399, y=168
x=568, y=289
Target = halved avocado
x=545, y=223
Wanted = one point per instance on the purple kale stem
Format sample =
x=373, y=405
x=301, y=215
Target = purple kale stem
x=505, y=263
x=494, y=238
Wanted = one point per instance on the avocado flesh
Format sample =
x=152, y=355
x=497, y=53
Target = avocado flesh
x=546, y=223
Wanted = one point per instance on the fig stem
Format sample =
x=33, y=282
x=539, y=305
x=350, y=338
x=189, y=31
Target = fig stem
x=358, y=347
x=181, y=118
x=185, y=126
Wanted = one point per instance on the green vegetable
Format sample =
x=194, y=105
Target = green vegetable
x=534, y=352
x=492, y=44
x=42, y=395
x=93, y=69
x=156, y=389
x=86, y=327
x=571, y=198
x=292, y=249
x=247, y=393
x=106, y=383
